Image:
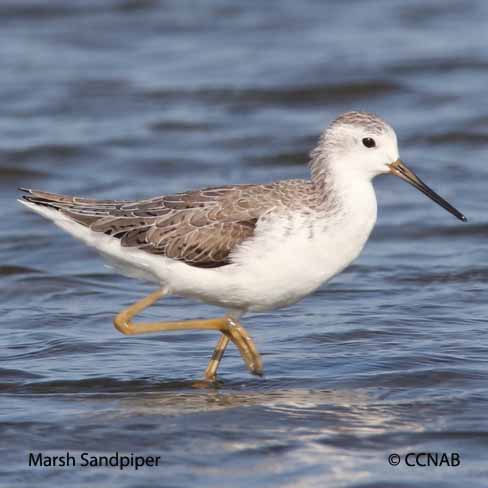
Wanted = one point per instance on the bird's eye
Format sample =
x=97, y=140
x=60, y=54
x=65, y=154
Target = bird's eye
x=369, y=142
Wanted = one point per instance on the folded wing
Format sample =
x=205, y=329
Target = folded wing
x=200, y=228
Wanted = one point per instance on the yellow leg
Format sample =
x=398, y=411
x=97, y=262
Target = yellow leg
x=218, y=354
x=247, y=343
x=231, y=329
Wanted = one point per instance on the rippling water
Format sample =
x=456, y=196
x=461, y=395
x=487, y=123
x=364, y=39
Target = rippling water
x=135, y=98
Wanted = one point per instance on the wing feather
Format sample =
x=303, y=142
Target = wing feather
x=200, y=228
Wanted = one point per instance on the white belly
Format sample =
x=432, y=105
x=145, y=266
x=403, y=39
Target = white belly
x=280, y=266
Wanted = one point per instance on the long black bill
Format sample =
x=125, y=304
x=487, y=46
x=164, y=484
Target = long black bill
x=399, y=168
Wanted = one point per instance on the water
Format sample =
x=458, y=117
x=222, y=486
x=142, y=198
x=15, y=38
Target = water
x=129, y=99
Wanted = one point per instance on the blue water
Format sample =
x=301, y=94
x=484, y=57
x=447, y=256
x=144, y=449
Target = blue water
x=131, y=99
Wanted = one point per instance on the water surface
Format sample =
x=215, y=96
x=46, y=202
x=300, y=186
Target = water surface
x=131, y=99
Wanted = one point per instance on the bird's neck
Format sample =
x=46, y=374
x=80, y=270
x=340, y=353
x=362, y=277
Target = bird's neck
x=339, y=187
x=348, y=202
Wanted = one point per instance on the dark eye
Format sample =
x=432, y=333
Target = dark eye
x=369, y=142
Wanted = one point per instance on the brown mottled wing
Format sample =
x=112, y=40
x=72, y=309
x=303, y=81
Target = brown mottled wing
x=200, y=228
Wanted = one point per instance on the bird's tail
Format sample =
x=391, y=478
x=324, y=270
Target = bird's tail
x=84, y=211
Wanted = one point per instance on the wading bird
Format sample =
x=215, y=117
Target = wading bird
x=244, y=247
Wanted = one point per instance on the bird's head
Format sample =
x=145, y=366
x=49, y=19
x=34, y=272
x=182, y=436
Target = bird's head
x=361, y=145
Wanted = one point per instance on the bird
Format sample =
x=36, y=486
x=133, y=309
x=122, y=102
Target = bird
x=247, y=247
